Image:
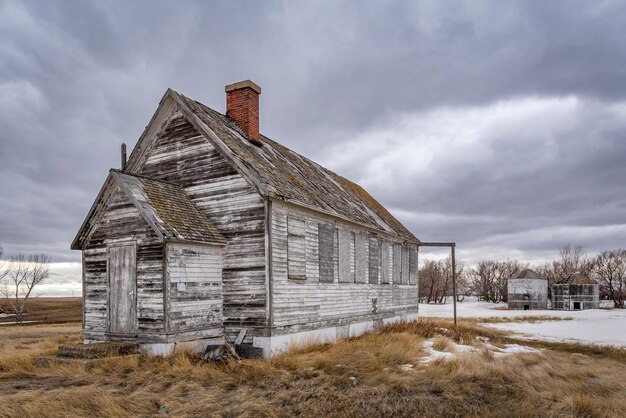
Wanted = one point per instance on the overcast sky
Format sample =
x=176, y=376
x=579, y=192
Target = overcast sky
x=499, y=125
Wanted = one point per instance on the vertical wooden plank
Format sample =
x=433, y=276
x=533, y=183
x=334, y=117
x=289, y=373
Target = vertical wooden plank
x=360, y=250
x=296, y=248
x=412, y=265
x=405, y=264
x=384, y=263
x=397, y=264
x=123, y=288
x=326, y=237
x=346, y=272
x=374, y=259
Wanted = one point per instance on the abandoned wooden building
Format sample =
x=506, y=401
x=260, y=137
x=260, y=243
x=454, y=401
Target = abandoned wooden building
x=527, y=290
x=575, y=292
x=212, y=230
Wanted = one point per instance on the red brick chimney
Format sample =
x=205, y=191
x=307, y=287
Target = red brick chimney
x=242, y=106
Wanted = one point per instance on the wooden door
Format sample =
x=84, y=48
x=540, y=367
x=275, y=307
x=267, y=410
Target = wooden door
x=122, y=270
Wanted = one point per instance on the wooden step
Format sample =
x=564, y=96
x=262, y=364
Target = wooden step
x=98, y=350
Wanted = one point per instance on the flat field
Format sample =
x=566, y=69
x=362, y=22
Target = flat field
x=49, y=310
x=425, y=368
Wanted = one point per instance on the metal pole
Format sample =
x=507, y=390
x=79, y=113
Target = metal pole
x=123, y=156
x=454, y=282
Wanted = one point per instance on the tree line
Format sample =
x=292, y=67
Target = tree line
x=488, y=279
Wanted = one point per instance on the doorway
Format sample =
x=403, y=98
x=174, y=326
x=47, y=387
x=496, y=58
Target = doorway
x=577, y=306
x=122, y=275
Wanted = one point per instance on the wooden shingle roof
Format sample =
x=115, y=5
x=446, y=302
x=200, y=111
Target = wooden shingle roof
x=282, y=173
x=168, y=209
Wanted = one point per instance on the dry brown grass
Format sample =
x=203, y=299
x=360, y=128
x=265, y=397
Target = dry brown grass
x=442, y=343
x=356, y=377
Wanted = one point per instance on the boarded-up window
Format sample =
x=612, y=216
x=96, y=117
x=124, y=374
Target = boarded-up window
x=360, y=253
x=397, y=264
x=296, y=248
x=374, y=259
x=413, y=265
x=312, y=256
x=385, y=270
x=326, y=240
x=346, y=270
x=405, y=264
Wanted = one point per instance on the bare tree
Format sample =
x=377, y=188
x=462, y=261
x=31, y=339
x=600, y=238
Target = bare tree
x=436, y=280
x=430, y=276
x=489, y=279
x=4, y=270
x=610, y=270
x=572, y=258
x=19, y=279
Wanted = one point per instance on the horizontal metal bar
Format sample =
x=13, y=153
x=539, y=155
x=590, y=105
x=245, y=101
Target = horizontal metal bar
x=436, y=244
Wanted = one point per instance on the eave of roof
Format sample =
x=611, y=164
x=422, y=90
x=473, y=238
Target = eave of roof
x=165, y=207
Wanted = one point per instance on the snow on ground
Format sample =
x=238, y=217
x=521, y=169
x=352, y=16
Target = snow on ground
x=433, y=354
x=595, y=326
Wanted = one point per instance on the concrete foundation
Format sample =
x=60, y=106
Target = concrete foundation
x=278, y=344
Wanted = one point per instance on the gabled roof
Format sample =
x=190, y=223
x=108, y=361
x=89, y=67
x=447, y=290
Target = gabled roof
x=278, y=172
x=528, y=274
x=166, y=208
x=575, y=278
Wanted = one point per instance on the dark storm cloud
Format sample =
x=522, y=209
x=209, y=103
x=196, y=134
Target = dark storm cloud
x=78, y=78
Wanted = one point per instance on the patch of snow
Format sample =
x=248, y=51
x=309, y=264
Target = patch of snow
x=514, y=349
x=457, y=349
x=592, y=326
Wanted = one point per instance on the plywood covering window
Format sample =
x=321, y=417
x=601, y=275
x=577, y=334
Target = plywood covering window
x=385, y=264
x=397, y=264
x=413, y=265
x=346, y=260
x=360, y=255
x=374, y=259
x=405, y=264
x=296, y=248
x=326, y=242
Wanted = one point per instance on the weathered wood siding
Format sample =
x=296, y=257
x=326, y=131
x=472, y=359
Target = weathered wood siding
x=314, y=303
x=120, y=223
x=182, y=156
x=194, y=280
